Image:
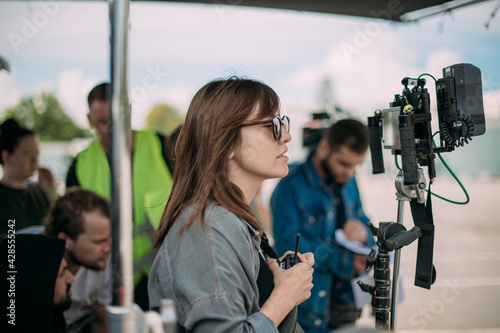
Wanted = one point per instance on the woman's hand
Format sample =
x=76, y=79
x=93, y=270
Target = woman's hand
x=47, y=183
x=291, y=287
x=306, y=257
x=295, y=283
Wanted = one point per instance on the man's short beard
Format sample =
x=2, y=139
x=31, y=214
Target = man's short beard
x=329, y=178
x=76, y=261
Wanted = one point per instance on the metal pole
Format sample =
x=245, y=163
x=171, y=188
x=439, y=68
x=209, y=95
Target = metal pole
x=120, y=163
x=395, y=274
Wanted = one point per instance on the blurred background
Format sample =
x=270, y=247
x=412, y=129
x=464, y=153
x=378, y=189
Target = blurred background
x=318, y=63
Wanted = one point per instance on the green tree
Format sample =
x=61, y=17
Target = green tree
x=163, y=119
x=44, y=114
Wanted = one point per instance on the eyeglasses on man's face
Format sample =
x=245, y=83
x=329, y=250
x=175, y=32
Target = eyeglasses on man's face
x=277, y=123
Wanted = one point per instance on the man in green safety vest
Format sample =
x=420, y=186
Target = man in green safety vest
x=151, y=181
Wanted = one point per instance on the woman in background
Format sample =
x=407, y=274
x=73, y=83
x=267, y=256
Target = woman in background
x=22, y=204
x=209, y=262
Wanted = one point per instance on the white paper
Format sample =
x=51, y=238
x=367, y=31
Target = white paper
x=362, y=298
x=354, y=246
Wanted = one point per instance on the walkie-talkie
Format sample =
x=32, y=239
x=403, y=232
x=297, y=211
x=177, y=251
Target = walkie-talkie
x=291, y=259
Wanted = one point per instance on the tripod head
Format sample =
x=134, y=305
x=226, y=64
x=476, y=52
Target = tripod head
x=393, y=236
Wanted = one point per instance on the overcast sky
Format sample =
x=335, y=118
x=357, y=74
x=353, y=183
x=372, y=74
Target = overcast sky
x=174, y=49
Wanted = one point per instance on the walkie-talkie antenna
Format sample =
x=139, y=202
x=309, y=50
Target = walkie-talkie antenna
x=296, y=248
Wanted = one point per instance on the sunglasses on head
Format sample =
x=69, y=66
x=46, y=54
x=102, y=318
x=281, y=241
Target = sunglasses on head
x=277, y=124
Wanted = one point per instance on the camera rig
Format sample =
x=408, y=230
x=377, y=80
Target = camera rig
x=406, y=129
x=408, y=120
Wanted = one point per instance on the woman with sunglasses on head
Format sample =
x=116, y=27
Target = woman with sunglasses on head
x=209, y=262
x=22, y=204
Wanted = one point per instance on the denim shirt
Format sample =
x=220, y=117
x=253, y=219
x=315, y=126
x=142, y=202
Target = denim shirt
x=303, y=203
x=211, y=272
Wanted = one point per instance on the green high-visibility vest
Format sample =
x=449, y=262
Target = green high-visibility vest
x=151, y=186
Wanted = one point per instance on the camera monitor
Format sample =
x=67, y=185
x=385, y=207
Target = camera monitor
x=460, y=104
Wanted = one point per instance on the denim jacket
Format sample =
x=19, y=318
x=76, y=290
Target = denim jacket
x=211, y=272
x=303, y=203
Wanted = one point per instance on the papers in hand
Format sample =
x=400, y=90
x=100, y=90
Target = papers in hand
x=354, y=246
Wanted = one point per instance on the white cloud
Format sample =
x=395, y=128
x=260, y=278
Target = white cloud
x=491, y=101
x=362, y=81
x=440, y=59
x=365, y=77
x=72, y=91
x=178, y=97
x=446, y=57
x=10, y=93
x=45, y=86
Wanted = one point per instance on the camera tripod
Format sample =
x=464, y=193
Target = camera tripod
x=391, y=236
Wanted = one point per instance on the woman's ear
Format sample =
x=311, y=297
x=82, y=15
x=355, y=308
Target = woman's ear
x=231, y=155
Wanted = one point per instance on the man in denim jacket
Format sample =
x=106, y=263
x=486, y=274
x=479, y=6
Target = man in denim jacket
x=318, y=197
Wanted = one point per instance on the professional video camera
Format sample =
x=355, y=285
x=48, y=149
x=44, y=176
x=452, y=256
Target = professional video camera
x=406, y=125
x=406, y=129
x=314, y=131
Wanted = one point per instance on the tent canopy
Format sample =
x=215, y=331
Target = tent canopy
x=393, y=10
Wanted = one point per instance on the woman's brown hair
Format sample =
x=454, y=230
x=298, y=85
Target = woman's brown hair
x=210, y=133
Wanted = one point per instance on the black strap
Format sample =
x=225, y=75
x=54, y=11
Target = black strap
x=265, y=281
x=266, y=247
x=425, y=273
